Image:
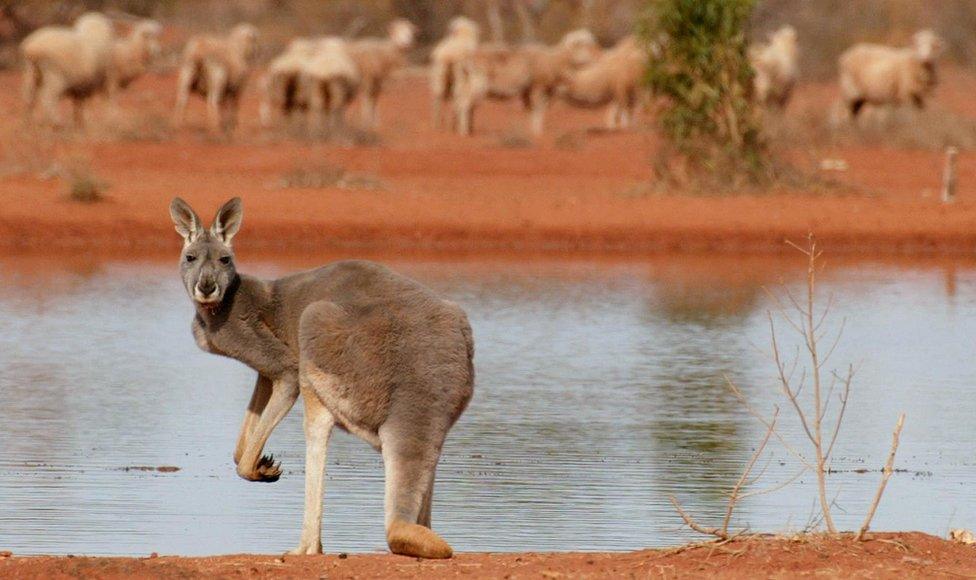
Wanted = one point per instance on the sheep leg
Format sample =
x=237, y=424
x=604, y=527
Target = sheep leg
x=217, y=87
x=539, y=102
x=463, y=115
x=52, y=87
x=183, y=85
x=613, y=115
x=32, y=78
x=316, y=106
x=229, y=109
x=338, y=98
x=369, y=113
x=78, y=111
x=856, y=107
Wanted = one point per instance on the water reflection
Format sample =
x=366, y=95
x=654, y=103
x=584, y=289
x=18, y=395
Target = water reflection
x=600, y=392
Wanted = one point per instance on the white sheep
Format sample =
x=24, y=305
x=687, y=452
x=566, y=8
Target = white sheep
x=330, y=80
x=376, y=59
x=531, y=72
x=775, y=66
x=217, y=68
x=613, y=79
x=281, y=87
x=883, y=75
x=132, y=55
x=450, y=65
x=66, y=62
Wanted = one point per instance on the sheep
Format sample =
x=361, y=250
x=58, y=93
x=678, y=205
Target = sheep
x=775, y=68
x=531, y=72
x=217, y=68
x=376, y=59
x=882, y=75
x=132, y=55
x=71, y=62
x=612, y=79
x=281, y=87
x=449, y=59
x=330, y=80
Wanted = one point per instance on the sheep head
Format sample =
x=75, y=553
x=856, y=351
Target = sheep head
x=928, y=46
x=245, y=39
x=147, y=33
x=581, y=46
x=403, y=33
x=462, y=27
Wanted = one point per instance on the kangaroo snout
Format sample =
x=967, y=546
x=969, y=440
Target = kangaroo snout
x=206, y=290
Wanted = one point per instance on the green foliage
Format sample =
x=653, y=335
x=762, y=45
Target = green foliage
x=701, y=67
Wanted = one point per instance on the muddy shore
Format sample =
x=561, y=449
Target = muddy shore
x=887, y=555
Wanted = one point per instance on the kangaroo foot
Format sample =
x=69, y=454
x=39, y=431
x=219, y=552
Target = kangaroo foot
x=307, y=549
x=266, y=470
x=413, y=540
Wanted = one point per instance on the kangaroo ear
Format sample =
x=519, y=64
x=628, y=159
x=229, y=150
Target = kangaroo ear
x=228, y=220
x=186, y=220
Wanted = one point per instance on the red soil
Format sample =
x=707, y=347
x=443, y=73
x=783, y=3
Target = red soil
x=904, y=555
x=570, y=190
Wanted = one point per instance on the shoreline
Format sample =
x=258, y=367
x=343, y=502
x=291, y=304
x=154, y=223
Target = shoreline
x=28, y=234
x=889, y=554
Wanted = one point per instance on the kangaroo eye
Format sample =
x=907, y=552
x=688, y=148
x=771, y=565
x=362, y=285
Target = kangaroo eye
x=190, y=258
x=225, y=259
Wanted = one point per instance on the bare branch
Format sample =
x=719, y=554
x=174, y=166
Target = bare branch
x=737, y=488
x=885, y=475
x=843, y=407
x=786, y=445
x=776, y=487
x=695, y=525
x=840, y=332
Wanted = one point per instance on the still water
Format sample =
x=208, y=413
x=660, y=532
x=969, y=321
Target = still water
x=599, y=393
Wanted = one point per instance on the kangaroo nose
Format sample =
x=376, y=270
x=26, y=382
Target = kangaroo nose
x=207, y=287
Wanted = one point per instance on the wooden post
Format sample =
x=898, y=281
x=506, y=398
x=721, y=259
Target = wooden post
x=949, y=176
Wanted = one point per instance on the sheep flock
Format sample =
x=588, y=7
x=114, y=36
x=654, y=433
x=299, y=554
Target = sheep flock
x=314, y=80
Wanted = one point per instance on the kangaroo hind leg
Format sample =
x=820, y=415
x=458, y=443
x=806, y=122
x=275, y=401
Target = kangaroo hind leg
x=318, y=429
x=409, y=464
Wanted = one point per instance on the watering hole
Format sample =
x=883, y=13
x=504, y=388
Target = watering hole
x=600, y=392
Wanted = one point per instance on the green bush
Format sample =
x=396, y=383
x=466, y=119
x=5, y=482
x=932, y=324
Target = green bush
x=700, y=67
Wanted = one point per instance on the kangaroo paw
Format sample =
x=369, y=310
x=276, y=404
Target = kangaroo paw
x=266, y=470
x=414, y=540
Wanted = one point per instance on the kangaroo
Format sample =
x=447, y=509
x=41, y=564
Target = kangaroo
x=369, y=350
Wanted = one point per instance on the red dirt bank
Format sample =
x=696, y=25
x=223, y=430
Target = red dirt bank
x=570, y=191
x=911, y=555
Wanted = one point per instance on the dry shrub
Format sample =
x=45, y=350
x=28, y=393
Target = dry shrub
x=80, y=179
x=514, y=138
x=571, y=140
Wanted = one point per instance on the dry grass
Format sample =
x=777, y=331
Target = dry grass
x=326, y=175
x=148, y=123
x=934, y=128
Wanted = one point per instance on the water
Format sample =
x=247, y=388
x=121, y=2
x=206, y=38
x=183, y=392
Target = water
x=599, y=393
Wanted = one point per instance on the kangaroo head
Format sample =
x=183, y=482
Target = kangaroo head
x=207, y=260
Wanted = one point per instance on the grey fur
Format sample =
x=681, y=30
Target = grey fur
x=371, y=351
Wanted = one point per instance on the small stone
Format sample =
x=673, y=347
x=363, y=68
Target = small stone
x=280, y=560
x=6, y=554
x=153, y=555
x=343, y=555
